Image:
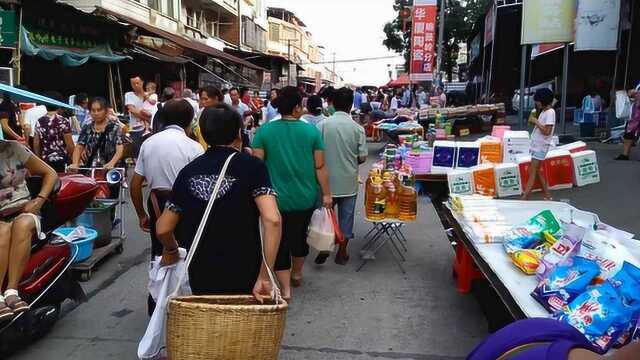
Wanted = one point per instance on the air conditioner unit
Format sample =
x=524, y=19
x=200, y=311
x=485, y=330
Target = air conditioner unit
x=6, y=75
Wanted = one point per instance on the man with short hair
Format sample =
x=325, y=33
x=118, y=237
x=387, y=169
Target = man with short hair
x=238, y=105
x=345, y=149
x=138, y=116
x=161, y=158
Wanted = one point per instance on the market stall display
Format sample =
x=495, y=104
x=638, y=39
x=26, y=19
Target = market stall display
x=496, y=110
x=390, y=202
x=549, y=259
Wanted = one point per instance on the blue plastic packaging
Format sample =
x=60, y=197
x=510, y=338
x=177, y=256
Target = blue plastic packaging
x=628, y=287
x=565, y=283
x=599, y=314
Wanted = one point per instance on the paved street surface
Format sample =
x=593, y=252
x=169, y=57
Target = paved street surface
x=378, y=313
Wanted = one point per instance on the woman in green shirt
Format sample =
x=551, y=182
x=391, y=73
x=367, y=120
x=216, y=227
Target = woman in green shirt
x=294, y=154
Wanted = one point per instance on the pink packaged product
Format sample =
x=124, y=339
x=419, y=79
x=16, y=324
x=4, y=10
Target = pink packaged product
x=562, y=250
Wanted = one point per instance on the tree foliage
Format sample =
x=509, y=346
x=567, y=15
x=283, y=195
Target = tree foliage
x=460, y=17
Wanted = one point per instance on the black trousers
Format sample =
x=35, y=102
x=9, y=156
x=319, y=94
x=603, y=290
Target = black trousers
x=156, y=247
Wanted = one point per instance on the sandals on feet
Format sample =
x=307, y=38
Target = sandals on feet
x=14, y=302
x=6, y=313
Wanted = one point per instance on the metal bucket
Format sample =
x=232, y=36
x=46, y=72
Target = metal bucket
x=100, y=219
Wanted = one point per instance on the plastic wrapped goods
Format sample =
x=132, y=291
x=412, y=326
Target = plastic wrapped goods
x=468, y=154
x=574, y=147
x=559, y=169
x=444, y=155
x=585, y=168
x=514, y=144
x=484, y=180
x=565, y=283
x=524, y=163
x=461, y=182
x=490, y=151
x=508, y=181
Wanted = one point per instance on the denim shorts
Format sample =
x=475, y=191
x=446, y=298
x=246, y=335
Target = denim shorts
x=346, y=212
x=539, y=153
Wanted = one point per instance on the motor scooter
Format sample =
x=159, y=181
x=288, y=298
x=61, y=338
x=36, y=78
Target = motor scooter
x=47, y=280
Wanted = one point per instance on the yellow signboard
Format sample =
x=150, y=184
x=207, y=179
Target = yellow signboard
x=548, y=21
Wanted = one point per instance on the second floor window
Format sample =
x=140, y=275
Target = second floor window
x=274, y=32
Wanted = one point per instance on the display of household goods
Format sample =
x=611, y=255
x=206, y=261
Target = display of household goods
x=497, y=110
x=587, y=273
x=389, y=189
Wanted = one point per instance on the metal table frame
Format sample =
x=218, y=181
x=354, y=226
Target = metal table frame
x=385, y=233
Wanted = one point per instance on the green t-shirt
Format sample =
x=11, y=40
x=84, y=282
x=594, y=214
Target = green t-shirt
x=289, y=148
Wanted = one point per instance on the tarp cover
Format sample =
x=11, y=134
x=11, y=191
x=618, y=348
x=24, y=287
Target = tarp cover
x=68, y=57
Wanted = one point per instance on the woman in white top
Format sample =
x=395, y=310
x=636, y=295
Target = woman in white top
x=541, y=140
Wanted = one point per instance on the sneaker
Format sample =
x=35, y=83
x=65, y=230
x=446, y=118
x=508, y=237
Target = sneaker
x=622, y=157
x=6, y=314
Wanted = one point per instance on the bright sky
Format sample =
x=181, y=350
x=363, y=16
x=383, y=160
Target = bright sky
x=353, y=30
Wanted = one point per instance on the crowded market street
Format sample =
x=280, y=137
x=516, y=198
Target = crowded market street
x=319, y=180
x=377, y=313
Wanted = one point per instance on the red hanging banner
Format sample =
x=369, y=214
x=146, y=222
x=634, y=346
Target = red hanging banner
x=423, y=40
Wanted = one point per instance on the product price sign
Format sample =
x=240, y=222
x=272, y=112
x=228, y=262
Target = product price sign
x=423, y=40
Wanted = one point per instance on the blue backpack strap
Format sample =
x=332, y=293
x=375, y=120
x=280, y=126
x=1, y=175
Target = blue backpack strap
x=541, y=332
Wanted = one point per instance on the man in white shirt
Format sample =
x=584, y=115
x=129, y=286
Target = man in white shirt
x=138, y=117
x=161, y=158
x=237, y=105
x=421, y=98
x=396, y=102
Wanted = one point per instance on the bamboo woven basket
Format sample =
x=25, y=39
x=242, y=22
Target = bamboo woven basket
x=224, y=328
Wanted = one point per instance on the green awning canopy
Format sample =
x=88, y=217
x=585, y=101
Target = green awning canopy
x=69, y=57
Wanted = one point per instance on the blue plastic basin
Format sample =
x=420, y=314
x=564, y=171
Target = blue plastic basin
x=85, y=245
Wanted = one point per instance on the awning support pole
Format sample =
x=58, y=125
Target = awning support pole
x=523, y=71
x=565, y=85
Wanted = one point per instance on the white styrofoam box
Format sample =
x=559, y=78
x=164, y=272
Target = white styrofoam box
x=508, y=182
x=574, y=146
x=585, y=168
x=461, y=182
x=444, y=156
x=514, y=144
x=467, y=154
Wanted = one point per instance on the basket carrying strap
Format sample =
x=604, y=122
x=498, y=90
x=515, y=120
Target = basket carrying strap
x=203, y=223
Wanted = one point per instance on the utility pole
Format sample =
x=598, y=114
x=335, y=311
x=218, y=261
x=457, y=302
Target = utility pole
x=289, y=58
x=333, y=76
x=443, y=4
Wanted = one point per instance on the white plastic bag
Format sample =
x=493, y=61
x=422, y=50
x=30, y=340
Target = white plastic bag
x=162, y=281
x=321, y=234
x=623, y=105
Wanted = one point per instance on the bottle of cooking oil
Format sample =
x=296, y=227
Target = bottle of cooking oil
x=408, y=199
x=376, y=199
x=392, y=211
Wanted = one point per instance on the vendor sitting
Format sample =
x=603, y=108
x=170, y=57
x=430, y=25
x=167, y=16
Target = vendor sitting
x=19, y=220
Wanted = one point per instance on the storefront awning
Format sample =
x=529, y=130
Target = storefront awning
x=182, y=41
x=158, y=56
x=67, y=56
x=27, y=96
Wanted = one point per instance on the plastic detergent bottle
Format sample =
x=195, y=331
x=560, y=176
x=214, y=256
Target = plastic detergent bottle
x=376, y=200
x=408, y=199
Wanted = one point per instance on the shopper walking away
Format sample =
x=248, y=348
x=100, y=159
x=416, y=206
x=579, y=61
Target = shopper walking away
x=138, y=116
x=157, y=123
x=541, y=140
x=345, y=149
x=228, y=259
x=100, y=142
x=632, y=130
x=314, y=107
x=53, y=141
x=161, y=158
x=294, y=153
x=19, y=220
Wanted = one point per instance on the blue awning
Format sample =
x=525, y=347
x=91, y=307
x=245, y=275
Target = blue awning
x=68, y=57
x=27, y=96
